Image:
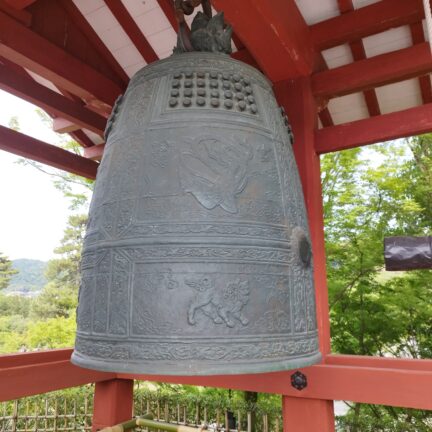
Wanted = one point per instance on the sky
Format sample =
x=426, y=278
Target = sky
x=33, y=214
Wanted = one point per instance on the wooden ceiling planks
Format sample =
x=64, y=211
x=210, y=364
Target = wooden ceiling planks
x=78, y=18
x=132, y=30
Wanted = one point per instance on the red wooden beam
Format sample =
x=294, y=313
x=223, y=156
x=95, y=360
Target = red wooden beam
x=373, y=72
x=398, y=382
x=307, y=415
x=81, y=22
x=20, y=4
x=380, y=362
x=22, y=16
x=167, y=7
x=368, y=20
x=409, y=122
x=275, y=33
x=94, y=152
x=31, y=148
x=132, y=30
x=33, y=373
x=28, y=49
x=417, y=35
x=61, y=126
x=325, y=117
x=375, y=385
x=297, y=99
x=78, y=135
x=113, y=403
x=81, y=137
x=359, y=53
x=370, y=96
x=49, y=100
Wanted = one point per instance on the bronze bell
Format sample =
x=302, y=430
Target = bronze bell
x=197, y=257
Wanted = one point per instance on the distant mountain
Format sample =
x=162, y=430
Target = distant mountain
x=30, y=277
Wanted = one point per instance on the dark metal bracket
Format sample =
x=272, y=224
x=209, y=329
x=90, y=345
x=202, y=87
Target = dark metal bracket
x=299, y=380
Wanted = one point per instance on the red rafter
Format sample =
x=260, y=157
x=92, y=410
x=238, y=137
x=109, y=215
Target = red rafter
x=82, y=138
x=323, y=112
x=78, y=135
x=30, y=50
x=167, y=7
x=62, y=125
x=22, y=16
x=132, y=30
x=413, y=121
x=78, y=18
x=20, y=4
x=368, y=20
x=95, y=152
x=282, y=51
x=373, y=72
x=417, y=35
x=325, y=117
x=31, y=148
x=358, y=53
x=49, y=100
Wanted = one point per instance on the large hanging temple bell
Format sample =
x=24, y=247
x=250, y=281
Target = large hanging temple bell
x=197, y=257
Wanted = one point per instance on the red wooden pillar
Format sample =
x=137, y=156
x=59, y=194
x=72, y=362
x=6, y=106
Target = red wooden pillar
x=309, y=415
x=113, y=403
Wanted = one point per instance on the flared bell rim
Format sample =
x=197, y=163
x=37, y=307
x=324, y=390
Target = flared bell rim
x=193, y=368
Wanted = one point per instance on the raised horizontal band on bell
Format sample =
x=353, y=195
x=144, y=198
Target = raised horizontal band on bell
x=212, y=241
x=279, y=337
x=179, y=367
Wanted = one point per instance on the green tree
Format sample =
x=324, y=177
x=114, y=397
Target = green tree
x=14, y=305
x=52, y=333
x=75, y=188
x=6, y=271
x=59, y=297
x=369, y=194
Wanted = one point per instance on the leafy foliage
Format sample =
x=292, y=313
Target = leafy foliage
x=75, y=188
x=52, y=333
x=370, y=194
x=6, y=271
x=60, y=295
